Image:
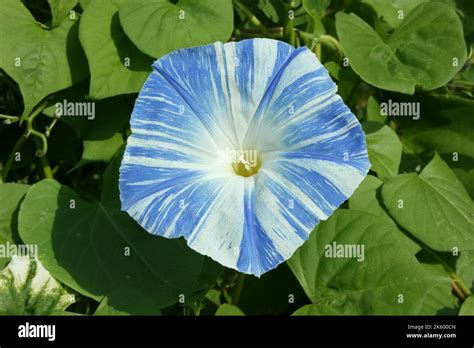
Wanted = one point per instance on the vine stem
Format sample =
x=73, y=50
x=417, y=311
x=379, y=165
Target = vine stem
x=317, y=50
x=238, y=288
x=252, y=18
x=48, y=173
x=288, y=28
x=19, y=144
x=279, y=33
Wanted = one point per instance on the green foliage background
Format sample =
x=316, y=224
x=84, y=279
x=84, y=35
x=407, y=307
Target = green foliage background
x=413, y=212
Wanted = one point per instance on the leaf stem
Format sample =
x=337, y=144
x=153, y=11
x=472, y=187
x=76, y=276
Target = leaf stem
x=457, y=281
x=51, y=126
x=16, y=148
x=297, y=40
x=42, y=138
x=461, y=289
x=324, y=39
x=9, y=119
x=48, y=173
x=250, y=16
x=32, y=131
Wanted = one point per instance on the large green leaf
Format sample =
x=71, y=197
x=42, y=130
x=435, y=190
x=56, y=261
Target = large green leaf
x=60, y=9
x=137, y=304
x=116, y=65
x=446, y=126
x=439, y=300
x=315, y=9
x=468, y=306
x=394, y=11
x=367, y=198
x=465, y=268
x=273, y=9
x=228, y=310
x=373, y=112
x=443, y=139
x=105, y=133
x=384, y=148
x=316, y=5
x=39, y=59
x=26, y=288
x=389, y=279
x=10, y=198
x=309, y=309
x=420, y=51
x=433, y=206
x=96, y=249
x=466, y=175
x=158, y=27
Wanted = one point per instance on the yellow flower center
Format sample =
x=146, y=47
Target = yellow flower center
x=247, y=164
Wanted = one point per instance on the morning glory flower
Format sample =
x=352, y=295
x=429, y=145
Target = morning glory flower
x=241, y=148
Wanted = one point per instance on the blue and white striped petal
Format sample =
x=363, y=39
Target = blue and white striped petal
x=258, y=94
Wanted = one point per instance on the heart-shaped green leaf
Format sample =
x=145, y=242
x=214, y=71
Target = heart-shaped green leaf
x=10, y=198
x=433, y=206
x=228, y=310
x=446, y=126
x=39, y=59
x=273, y=9
x=116, y=65
x=468, y=306
x=426, y=50
x=355, y=263
x=465, y=268
x=158, y=27
x=393, y=12
x=60, y=9
x=137, y=304
x=384, y=148
x=365, y=198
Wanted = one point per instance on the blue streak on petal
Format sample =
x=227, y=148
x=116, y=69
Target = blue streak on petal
x=257, y=252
